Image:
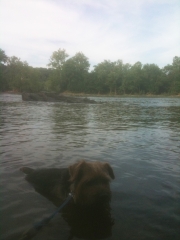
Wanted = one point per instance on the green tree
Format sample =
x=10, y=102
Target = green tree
x=104, y=76
x=56, y=62
x=115, y=76
x=3, y=71
x=75, y=73
x=32, y=82
x=172, y=73
x=16, y=72
x=126, y=79
x=3, y=57
x=152, y=75
x=54, y=82
x=132, y=82
x=58, y=59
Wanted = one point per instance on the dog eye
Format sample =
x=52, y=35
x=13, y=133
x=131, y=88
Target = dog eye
x=97, y=181
x=92, y=182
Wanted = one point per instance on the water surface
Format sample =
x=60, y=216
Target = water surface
x=139, y=137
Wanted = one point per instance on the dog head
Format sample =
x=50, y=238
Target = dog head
x=90, y=182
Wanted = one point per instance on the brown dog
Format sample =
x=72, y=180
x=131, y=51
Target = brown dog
x=87, y=181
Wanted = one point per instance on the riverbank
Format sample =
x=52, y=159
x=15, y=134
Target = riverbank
x=11, y=92
x=121, y=95
x=71, y=94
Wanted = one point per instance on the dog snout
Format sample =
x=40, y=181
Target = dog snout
x=103, y=197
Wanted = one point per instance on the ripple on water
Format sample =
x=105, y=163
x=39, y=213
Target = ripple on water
x=138, y=137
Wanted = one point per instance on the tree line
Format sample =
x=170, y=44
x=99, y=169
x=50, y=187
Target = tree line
x=65, y=73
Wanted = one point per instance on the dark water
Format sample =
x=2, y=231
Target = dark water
x=139, y=137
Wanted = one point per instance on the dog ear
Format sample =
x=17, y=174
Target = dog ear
x=76, y=171
x=110, y=170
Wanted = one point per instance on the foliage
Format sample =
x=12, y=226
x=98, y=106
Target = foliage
x=72, y=74
x=58, y=59
x=172, y=73
x=3, y=57
x=75, y=72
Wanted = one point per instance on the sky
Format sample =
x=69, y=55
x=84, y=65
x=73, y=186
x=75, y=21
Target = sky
x=129, y=30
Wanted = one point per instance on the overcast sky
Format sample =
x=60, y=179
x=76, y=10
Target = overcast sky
x=131, y=30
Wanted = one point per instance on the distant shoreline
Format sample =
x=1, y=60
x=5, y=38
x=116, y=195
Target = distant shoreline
x=107, y=95
x=121, y=95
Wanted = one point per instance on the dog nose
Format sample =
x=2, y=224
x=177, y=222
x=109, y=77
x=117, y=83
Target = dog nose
x=103, y=197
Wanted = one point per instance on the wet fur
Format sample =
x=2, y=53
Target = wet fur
x=89, y=182
x=88, y=215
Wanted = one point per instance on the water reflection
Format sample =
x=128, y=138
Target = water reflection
x=120, y=116
x=69, y=118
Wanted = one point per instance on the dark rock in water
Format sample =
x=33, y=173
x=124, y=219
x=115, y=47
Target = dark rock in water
x=54, y=97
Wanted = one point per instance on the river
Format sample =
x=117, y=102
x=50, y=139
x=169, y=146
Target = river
x=138, y=137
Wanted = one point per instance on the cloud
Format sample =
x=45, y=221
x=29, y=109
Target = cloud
x=138, y=30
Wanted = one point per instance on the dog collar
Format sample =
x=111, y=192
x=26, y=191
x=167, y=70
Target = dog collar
x=71, y=194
